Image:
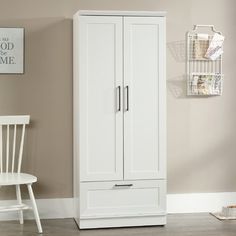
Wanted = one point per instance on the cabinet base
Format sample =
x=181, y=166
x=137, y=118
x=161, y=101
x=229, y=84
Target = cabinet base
x=121, y=222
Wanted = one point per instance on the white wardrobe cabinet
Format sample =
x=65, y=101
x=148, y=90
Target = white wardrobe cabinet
x=119, y=119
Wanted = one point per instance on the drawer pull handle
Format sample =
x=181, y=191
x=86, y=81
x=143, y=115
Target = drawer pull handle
x=127, y=98
x=119, y=101
x=123, y=185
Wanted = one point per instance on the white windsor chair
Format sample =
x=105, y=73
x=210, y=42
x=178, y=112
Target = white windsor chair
x=12, y=132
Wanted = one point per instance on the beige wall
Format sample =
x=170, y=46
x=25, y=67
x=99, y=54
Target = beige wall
x=201, y=132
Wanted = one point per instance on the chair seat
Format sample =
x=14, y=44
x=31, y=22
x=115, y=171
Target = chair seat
x=16, y=178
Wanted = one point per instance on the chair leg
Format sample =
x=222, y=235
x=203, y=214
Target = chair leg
x=19, y=200
x=35, y=209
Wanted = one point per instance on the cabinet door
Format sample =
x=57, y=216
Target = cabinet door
x=100, y=122
x=144, y=94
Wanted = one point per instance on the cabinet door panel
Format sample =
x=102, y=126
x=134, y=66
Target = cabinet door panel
x=144, y=123
x=101, y=138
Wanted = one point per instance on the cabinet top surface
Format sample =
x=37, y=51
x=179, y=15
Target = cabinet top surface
x=120, y=13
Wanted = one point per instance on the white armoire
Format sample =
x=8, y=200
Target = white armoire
x=119, y=118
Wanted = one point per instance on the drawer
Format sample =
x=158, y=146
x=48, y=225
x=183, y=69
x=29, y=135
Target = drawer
x=122, y=198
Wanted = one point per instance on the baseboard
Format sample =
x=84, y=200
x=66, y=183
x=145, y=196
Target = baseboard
x=48, y=209
x=176, y=203
x=199, y=202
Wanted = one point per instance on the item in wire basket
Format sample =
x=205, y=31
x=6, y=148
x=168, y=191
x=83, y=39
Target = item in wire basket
x=206, y=84
x=218, y=83
x=200, y=46
x=201, y=86
x=199, y=49
x=215, y=47
x=194, y=84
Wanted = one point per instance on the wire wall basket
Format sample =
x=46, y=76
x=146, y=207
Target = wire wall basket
x=204, y=62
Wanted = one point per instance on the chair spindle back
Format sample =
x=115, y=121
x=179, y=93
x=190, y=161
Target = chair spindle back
x=12, y=133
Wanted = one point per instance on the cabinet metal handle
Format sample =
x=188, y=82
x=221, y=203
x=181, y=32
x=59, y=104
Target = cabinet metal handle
x=123, y=185
x=127, y=98
x=119, y=99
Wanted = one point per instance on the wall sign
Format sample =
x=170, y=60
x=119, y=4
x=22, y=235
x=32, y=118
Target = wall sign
x=11, y=50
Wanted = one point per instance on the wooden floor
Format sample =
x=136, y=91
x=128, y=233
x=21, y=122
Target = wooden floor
x=178, y=225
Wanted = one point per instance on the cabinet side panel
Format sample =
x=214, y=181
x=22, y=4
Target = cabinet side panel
x=76, y=179
x=162, y=97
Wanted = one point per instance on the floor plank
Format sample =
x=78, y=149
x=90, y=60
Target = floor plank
x=178, y=225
